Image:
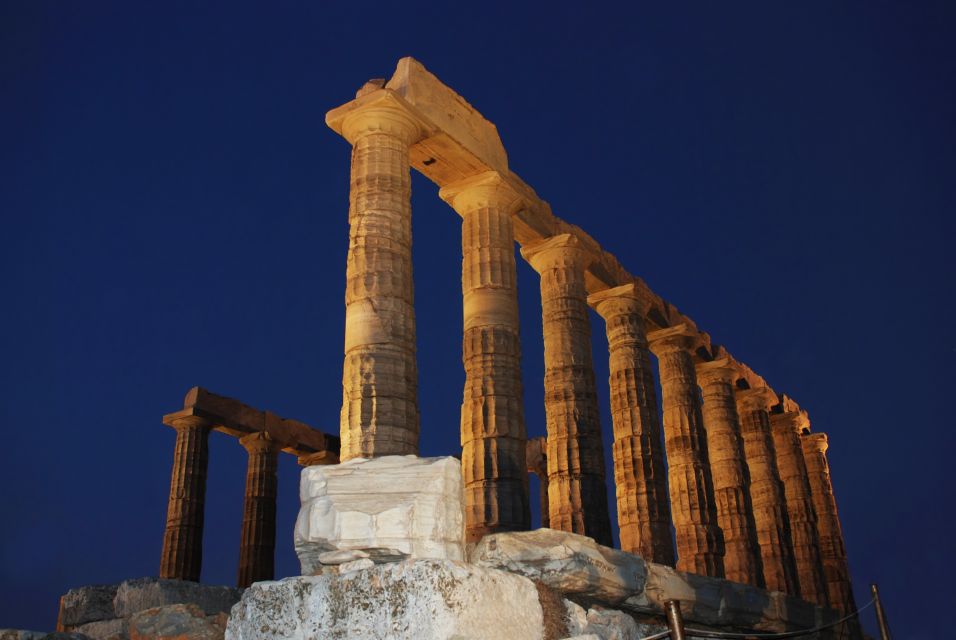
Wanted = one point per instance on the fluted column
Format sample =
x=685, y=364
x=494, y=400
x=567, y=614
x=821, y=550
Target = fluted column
x=725, y=449
x=577, y=492
x=643, y=511
x=766, y=491
x=700, y=542
x=380, y=375
x=258, y=543
x=493, y=435
x=182, y=542
x=538, y=465
x=836, y=569
x=786, y=428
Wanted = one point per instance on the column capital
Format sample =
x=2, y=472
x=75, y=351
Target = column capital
x=719, y=370
x=563, y=249
x=382, y=111
x=680, y=337
x=757, y=398
x=259, y=441
x=815, y=441
x=186, y=420
x=795, y=421
x=627, y=298
x=488, y=189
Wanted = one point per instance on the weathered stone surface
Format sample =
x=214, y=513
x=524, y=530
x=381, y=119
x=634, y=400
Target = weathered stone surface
x=116, y=629
x=182, y=542
x=578, y=494
x=571, y=564
x=140, y=594
x=173, y=622
x=380, y=375
x=398, y=503
x=414, y=600
x=21, y=634
x=493, y=436
x=725, y=451
x=258, y=541
x=86, y=604
x=700, y=542
x=766, y=491
x=537, y=461
x=643, y=510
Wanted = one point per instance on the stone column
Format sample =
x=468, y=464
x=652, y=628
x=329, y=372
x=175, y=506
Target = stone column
x=786, y=428
x=380, y=374
x=725, y=450
x=538, y=465
x=832, y=549
x=493, y=436
x=577, y=490
x=643, y=511
x=700, y=543
x=182, y=542
x=766, y=491
x=258, y=543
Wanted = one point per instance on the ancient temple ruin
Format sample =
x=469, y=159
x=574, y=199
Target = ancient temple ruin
x=733, y=467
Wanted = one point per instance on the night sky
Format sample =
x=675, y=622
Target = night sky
x=175, y=214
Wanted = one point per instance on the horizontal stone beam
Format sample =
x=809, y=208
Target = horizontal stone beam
x=236, y=419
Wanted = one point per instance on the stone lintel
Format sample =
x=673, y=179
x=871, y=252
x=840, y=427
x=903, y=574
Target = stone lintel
x=488, y=189
x=236, y=419
x=794, y=420
x=721, y=369
x=759, y=398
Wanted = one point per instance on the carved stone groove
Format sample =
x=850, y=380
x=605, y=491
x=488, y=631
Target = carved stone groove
x=578, y=495
x=182, y=542
x=643, y=510
x=700, y=542
x=258, y=542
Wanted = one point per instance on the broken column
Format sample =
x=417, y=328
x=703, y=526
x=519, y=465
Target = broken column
x=182, y=542
x=643, y=511
x=257, y=546
x=836, y=569
x=786, y=428
x=380, y=374
x=700, y=543
x=725, y=450
x=766, y=491
x=493, y=435
x=577, y=491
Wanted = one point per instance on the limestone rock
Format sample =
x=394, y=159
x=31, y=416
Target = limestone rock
x=116, y=629
x=21, y=634
x=173, y=622
x=134, y=596
x=389, y=507
x=571, y=564
x=415, y=599
x=86, y=604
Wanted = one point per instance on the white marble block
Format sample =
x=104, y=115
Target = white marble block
x=391, y=507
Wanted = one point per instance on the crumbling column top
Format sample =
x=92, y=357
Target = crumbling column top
x=607, y=302
x=818, y=441
x=487, y=189
x=379, y=111
x=758, y=398
x=681, y=337
x=719, y=370
x=542, y=255
x=797, y=421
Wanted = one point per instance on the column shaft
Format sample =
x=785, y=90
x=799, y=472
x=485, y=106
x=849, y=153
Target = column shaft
x=832, y=548
x=803, y=518
x=257, y=546
x=576, y=484
x=493, y=435
x=643, y=510
x=182, y=542
x=538, y=465
x=380, y=376
x=700, y=543
x=725, y=450
x=766, y=492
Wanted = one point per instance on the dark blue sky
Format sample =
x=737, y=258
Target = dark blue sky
x=174, y=214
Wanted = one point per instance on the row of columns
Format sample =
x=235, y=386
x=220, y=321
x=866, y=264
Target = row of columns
x=183, y=539
x=740, y=490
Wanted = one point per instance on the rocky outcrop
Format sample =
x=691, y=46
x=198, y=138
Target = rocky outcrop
x=404, y=505
x=175, y=622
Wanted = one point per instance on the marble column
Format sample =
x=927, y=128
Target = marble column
x=836, y=569
x=700, y=542
x=258, y=542
x=538, y=465
x=766, y=491
x=182, y=542
x=493, y=436
x=576, y=485
x=725, y=450
x=380, y=375
x=643, y=510
x=786, y=428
